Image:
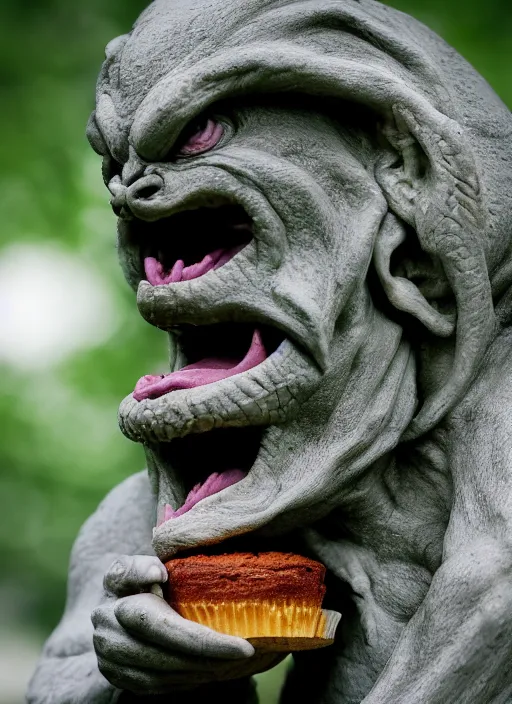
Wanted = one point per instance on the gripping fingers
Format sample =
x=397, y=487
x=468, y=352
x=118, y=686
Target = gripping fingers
x=116, y=648
x=137, y=665
x=152, y=619
x=131, y=574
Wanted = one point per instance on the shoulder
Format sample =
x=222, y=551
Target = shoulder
x=122, y=523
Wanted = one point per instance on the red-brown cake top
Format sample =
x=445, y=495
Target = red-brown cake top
x=269, y=576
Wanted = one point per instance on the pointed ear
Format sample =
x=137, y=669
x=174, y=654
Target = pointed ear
x=430, y=177
x=406, y=290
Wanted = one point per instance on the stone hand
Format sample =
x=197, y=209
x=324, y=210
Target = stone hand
x=143, y=646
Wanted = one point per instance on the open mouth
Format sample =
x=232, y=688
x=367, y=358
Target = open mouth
x=208, y=463
x=240, y=365
x=189, y=244
x=213, y=353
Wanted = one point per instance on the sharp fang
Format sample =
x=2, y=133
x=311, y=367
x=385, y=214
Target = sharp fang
x=160, y=515
x=169, y=512
x=176, y=272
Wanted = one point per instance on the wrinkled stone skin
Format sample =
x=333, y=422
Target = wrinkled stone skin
x=375, y=164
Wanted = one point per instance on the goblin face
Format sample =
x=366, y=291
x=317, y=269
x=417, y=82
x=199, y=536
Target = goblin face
x=259, y=170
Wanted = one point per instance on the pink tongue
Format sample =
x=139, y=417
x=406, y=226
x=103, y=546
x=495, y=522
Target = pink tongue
x=206, y=371
x=157, y=276
x=215, y=483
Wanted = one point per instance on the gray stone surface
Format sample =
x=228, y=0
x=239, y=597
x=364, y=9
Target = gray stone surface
x=375, y=165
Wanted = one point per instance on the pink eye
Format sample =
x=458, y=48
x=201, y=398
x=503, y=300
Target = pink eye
x=206, y=137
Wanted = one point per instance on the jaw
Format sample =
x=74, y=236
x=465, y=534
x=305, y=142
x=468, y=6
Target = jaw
x=229, y=519
x=299, y=470
x=295, y=470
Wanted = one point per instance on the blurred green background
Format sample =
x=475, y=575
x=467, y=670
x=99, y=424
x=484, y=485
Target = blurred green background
x=71, y=342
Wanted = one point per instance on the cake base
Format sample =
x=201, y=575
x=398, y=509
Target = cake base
x=289, y=645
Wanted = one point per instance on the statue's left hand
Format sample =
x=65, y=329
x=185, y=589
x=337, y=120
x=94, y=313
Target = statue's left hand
x=144, y=646
x=140, y=643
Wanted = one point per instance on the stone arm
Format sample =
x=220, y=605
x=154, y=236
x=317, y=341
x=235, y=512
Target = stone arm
x=68, y=668
x=68, y=672
x=458, y=646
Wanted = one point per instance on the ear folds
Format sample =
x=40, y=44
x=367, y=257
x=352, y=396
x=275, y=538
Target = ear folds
x=402, y=172
x=430, y=178
x=402, y=292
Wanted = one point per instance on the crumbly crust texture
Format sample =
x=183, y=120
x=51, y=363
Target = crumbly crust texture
x=272, y=576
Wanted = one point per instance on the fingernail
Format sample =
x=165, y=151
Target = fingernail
x=155, y=574
x=248, y=649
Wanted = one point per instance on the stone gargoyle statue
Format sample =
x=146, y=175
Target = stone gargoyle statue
x=314, y=202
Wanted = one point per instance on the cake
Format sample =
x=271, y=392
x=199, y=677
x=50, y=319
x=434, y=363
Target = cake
x=268, y=595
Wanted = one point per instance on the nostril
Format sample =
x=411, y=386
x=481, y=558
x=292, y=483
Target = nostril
x=146, y=192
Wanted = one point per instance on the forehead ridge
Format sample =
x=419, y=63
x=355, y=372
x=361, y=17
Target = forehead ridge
x=171, y=33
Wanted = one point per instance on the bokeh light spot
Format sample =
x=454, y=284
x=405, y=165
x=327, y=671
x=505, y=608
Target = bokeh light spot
x=52, y=303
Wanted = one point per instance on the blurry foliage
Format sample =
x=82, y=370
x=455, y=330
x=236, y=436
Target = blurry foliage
x=61, y=449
